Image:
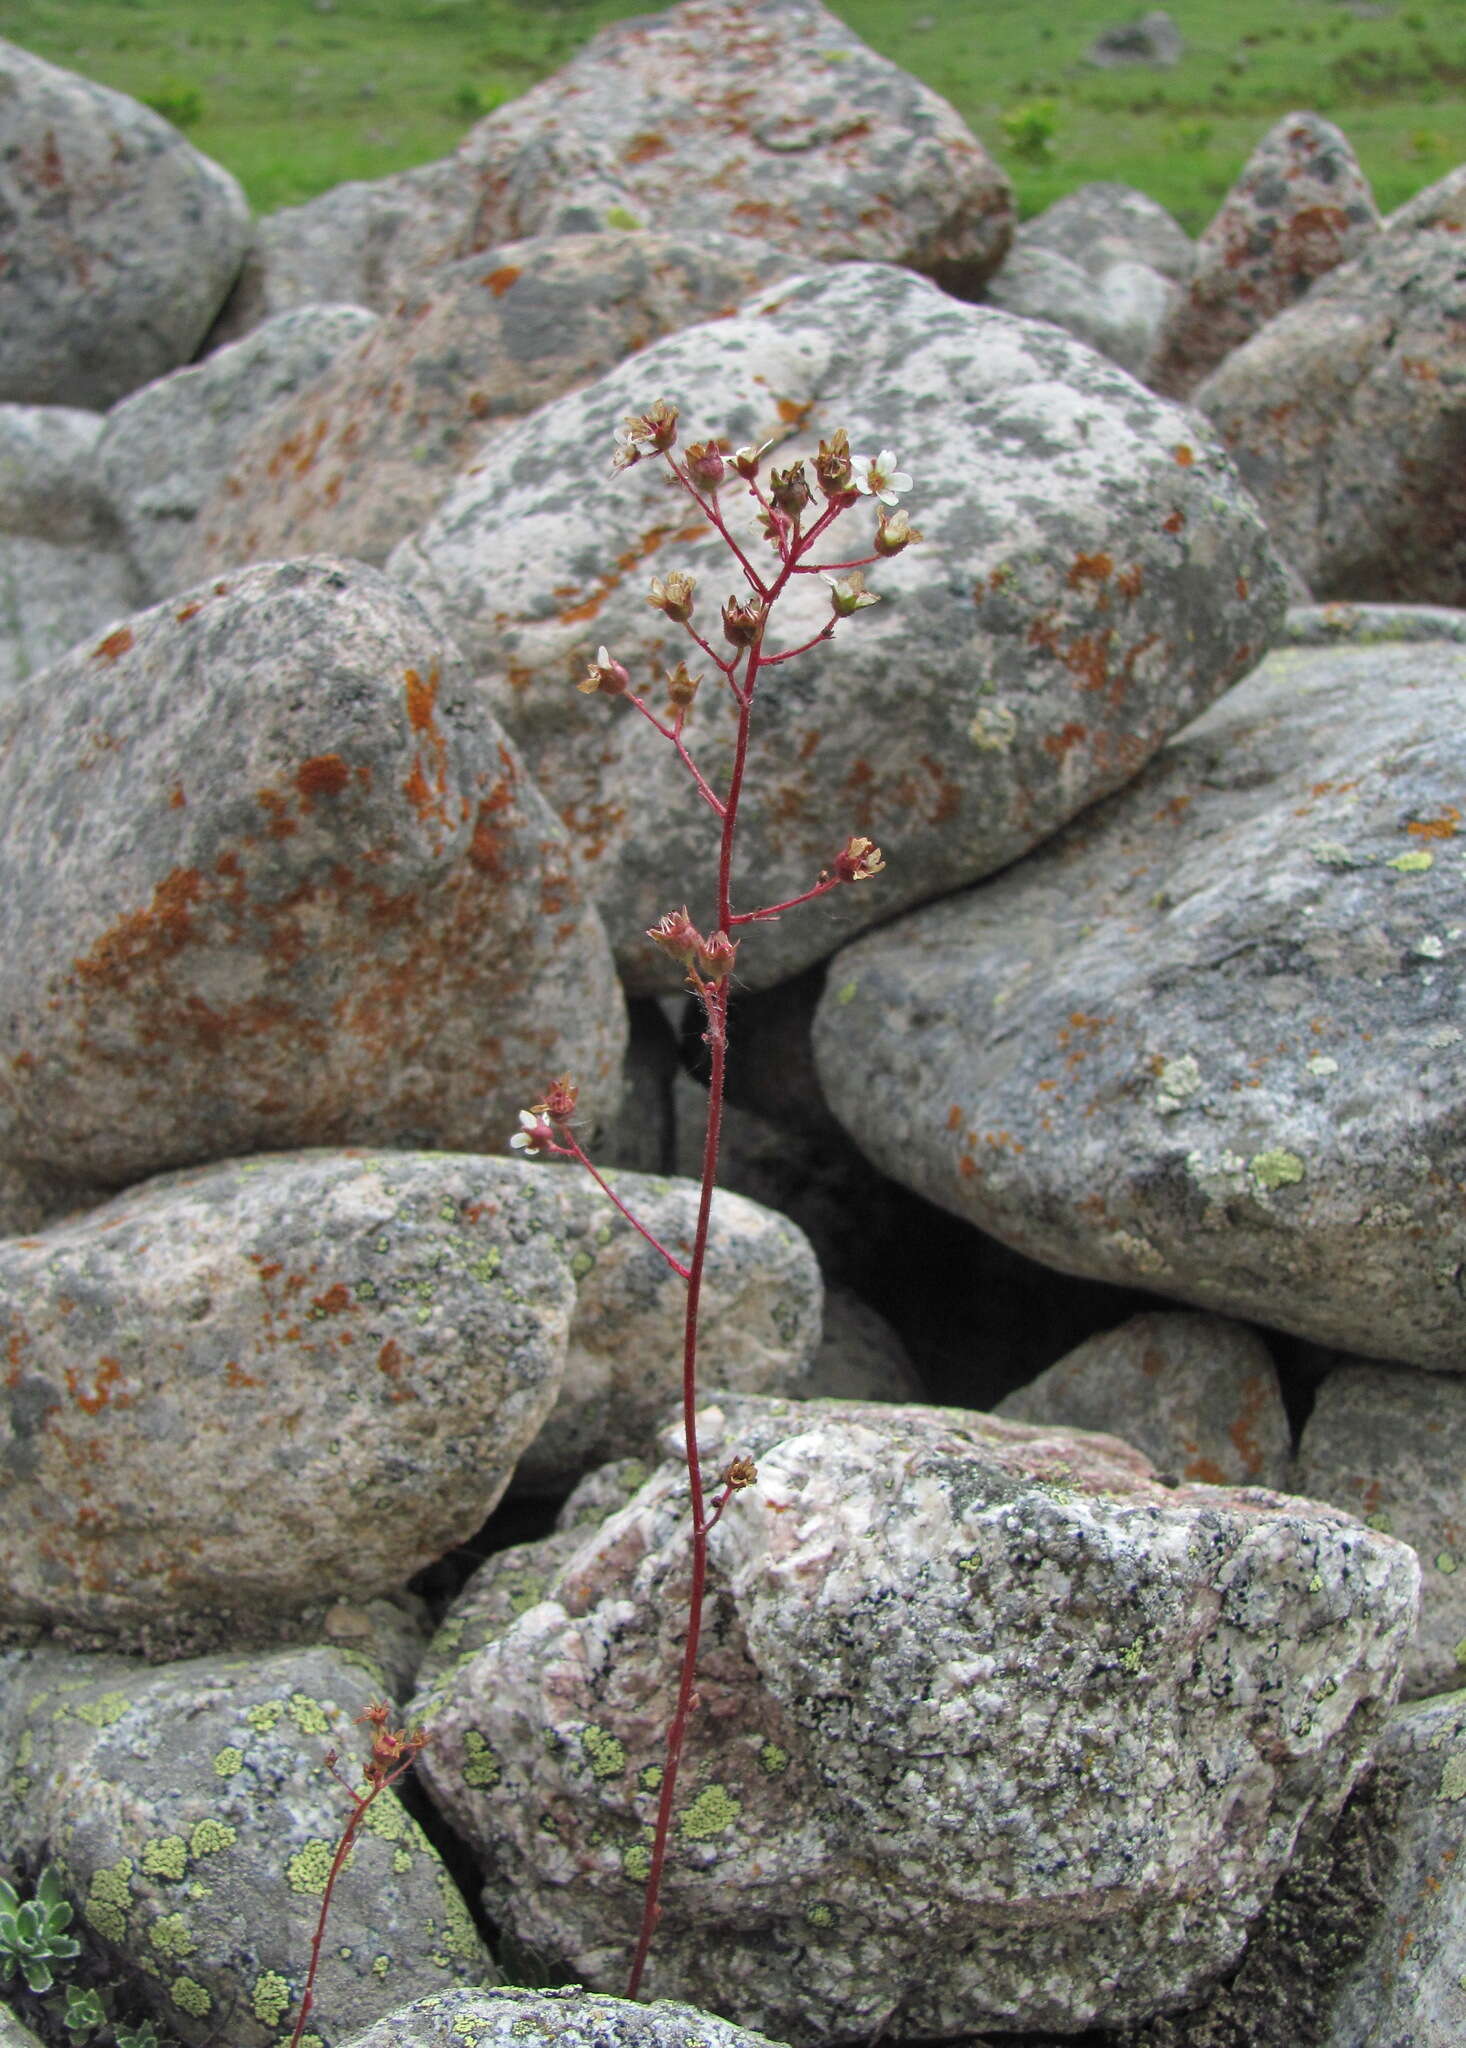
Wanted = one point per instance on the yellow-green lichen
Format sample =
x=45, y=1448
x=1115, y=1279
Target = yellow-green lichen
x=1446, y=1562
x=480, y=1765
x=270, y=1999
x=190, y=1996
x=819, y=1914
x=309, y=1716
x=637, y=1862
x=386, y=1817
x=264, y=1715
x=165, y=1856
x=104, y=1711
x=1276, y=1169
x=1132, y=1657
x=401, y=1861
x=448, y=1637
x=381, y=1965
x=170, y=1936
x=1412, y=863
x=846, y=993
x=1453, y=1777
x=581, y=1264
x=649, y=1777
x=227, y=1761
x=605, y=1751
x=772, y=1760
x=712, y=1812
x=109, y=1900
x=459, y=1935
x=209, y=1836
x=309, y=1868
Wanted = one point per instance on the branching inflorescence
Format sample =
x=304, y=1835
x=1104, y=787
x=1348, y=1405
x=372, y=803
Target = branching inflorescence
x=795, y=518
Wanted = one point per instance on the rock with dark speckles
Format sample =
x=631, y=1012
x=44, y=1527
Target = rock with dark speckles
x=271, y=875
x=191, y=1812
x=568, y=2018
x=1389, y=1445
x=1092, y=577
x=994, y=1729
x=1344, y=413
x=121, y=241
x=1197, y=1394
x=236, y=1393
x=362, y=456
x=1301, y=206
x=1212, y=1040
x=1101, y=224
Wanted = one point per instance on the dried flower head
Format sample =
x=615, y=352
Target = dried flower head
x=650, y=433
x=393, y=1749
x=681, y=687
x=705, y=464
x=878, y=477
x=672, y=594
x=747, y=460
x=606, y=675
x=858, y=860
x=676, y=934
x=848, y=593
x=715, y=957
x=739, y=1472
x=789, y=489
x=560, y=1099
x=832, y=466
x=743, y=620
x=894, y=531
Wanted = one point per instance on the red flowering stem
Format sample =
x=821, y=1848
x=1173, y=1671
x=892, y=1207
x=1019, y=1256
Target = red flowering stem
x=827, y=568
x=669, y=732
x=361, y=1804
x=571, y=1150
x=826, y=632
x=711, y=652
x=708, y=508
x=773, y=909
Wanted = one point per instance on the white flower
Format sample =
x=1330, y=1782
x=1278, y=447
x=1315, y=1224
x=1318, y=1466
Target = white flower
x=879, y=477
x=530, y=1134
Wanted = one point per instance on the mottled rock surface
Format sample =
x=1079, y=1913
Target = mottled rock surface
x=1101, y=224
x=996, y=1670
x=239, y=1392
x=1211, y=1041
x=1119, y=312
x=1344, y=413
x=362, y=457
x=167, y=448
x=121, y=240
x=1197, y=1394
x=51, y=597
x=1062, y=618
x=1389, y=1445
x=191, y=1813
x=766, y=118
x=570, y=2018
x=1152, y=39
x=50, y=488
x=1301, y=206
x=1369, y=625
x=270, y=875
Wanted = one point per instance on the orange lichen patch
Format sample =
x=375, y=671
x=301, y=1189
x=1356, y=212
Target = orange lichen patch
x=1243, y=1429
x=114, y=645
x=587, y=607
x=334, y=1301
x=1184, y=455
x=643, y=147
x=1443, y=827
x=1096, y=568
x=23, y=1062
x=1205, y=1470
x=144, y=937
x=1058, y=744
x=499, y=281
x=104, y=1390
x=236, y=1376
x=791, y=412
x=954, y=1117
x=176, y=798
x=1419, y=370
x=189, y=611
x=421, y=698
x=281, y=825
x=808, y=744
x=1174, y=521
x=1002, y=1141
x=1172, y=812
x=321, y=775
x=967, y=1166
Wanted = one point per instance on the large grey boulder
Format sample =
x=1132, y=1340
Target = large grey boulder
x=1119, y=312
x=191, y=1814
x=568, y=2018
x=270, y=875
x=993, y=1728
x=1102, y=224
x=1344, y=413
x=1300, y=207
x=121, y=241
x=362, y=456
x=1389, y=1445
x=1094, y=576
x=166, y=449
x=1211, y=1041
x=240, y=1393
x=50, y=486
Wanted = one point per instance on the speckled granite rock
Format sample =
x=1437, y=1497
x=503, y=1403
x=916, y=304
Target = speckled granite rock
x=1119, y=312
x=50, y=488
x=1197, y=1394
x=570, y=2018
x=1301, y=206
x=1344, y=418
x=121, y=240
x=986, y=1712
x=51, y=597
x=29, y=1199
x=362, y=457
x=190, y=1813
x=759, y=117
x=166, y=449
x=758, y=1329
x=1211, y=1041
x=1064, y=616
x=1363, y=1945
x=1101, y=224
x=237, y=1392
x=1389, y=1445
x=270, y=875
x=1369, y=625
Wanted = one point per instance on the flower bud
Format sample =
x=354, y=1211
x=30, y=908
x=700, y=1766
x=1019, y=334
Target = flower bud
x=894, y=531
x=742, y=621
x=739, y=1472
x=705, y=464
x=676, y=934
x=672, y=594
x=715, y=957
x=858, y=860
x=789, y=489
x=681, y=687
x=833, y=467
x=849, y=595
x=606, y=675
x=747, y=460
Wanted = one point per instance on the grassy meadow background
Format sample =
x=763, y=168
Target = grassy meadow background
x=297, y=95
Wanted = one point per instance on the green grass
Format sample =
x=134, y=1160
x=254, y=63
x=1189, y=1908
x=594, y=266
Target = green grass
x=297, y=95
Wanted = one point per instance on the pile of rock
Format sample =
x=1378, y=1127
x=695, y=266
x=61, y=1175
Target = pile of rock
x=314, y=869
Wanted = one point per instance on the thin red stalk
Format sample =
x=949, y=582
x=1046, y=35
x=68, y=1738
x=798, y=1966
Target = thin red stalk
x=670, y=733
x=571, y=1148
x=774, y=909
x=824, y=568
x=338, y=1862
